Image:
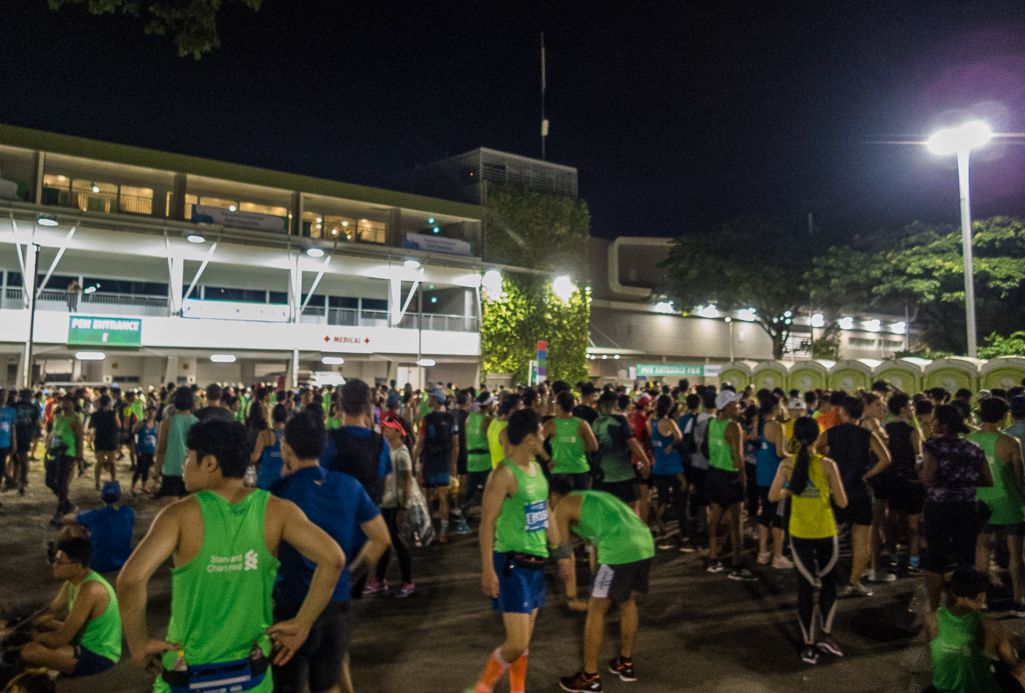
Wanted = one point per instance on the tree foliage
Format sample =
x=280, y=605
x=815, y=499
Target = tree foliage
x=529, y=312
x=545, y=232
x=193, y=23
x=1012, y=345
x=537, y=230
x=923, y=268
x=744, y=263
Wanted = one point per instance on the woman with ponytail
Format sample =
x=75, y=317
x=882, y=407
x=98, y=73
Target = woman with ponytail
x=667, y=472
x=809, y=480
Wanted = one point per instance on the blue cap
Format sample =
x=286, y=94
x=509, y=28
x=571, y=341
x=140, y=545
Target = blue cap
x=392, y=401
x=111, y=492
x=439, y=394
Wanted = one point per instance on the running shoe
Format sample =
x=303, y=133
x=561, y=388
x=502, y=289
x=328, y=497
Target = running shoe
x=856, y=591
x=442, y=538
x=763, y=558
x=581, y=682
x=743, y=575
x=687, y=547
x=914, y=570
x=828, y=645
x=462, y=527
x=375, y=587
x=1017, y=610
x=809, y=655
x=715, y=567
x=665, y=543
x=880, y=576
x=405, y=590
x=782, y=563
x=622, y=667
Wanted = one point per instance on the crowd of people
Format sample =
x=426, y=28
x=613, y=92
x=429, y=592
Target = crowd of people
x=281, y=507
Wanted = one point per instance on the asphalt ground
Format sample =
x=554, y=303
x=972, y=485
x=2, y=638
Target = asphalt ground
x=698, y=631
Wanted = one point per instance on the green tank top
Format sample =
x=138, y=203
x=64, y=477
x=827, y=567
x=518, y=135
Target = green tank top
x=958, y=663
x=332, y=424
x=568, y=447
x=720, y=455
x=174, y=457
x=1003, y=497
x=614, y=527
x=811, y=515
x=221, y=599
x=63, y=433
x=102, y=634
x=523, y=518
x=494, y=444
x=478, y=452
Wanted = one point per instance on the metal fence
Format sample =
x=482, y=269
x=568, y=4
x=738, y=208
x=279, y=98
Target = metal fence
x=58, y=300
x=351, y=317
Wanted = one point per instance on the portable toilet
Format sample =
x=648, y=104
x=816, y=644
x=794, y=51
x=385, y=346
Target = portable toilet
x=1004, y=372
x=952, y=374
x=904, y=374
x=737, y=374
x=769, y=375
x=852, y=375
x=812, y=374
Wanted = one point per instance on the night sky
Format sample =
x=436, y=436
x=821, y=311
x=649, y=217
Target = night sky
x=677, y=115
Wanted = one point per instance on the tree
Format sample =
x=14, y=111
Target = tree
x=745, y=263
x=193, y=23
x=922, y=267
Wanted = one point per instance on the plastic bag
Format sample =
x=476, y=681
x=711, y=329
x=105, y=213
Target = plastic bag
x=415, y=526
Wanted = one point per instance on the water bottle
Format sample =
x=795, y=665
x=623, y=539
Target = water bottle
x=180, y=664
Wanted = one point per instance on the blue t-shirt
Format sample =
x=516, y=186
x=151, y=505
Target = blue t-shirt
x=329, y=452
x=111, y=533
x=336, y=503
x=7, y=420
x=270, y=463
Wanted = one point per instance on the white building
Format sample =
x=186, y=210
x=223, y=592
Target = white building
x=194, y=270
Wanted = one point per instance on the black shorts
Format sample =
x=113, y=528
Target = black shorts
x=172, y=486
x=581, y=481
x=24, y=441
x=724, y=488
x=1016, y=529
x=882, y=485
x=769, y=514
x=88, y=663
x=617, y=582
x=907, y=497
x=699, y=477
x=461, y=465
x=625, y=491
x=641, y=481
x=318, y=663
x=950, y=532
x=857, y=512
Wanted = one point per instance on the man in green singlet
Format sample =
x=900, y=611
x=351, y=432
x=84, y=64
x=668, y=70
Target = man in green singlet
x=963, y=643
x=224, y=540
x=727, y=483
x=625, y=549
x=171, y=447
x=65, y=451
x=478, y=454
x=571, y=440
x=1005, y=498
x=88, y=639
x=513, y=548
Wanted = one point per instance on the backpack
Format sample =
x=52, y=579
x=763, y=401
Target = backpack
x=439, y=429
x=359, y=457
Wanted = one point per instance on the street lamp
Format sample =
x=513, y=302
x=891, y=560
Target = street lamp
x=960, y=141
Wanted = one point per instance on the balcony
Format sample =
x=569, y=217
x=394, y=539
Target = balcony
x=56, y=300
x=351, y=317
x=107, y=202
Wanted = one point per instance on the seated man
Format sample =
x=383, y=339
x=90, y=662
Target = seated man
x=88, y=639
x=109, y=528
x=964, y=643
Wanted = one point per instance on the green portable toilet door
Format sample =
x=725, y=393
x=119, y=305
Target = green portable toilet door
x=805, y=379
x=848, y=379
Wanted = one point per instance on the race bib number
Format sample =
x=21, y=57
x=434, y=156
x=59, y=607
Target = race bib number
x=537, y=515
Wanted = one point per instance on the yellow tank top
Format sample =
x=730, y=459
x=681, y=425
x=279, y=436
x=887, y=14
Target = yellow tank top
x=811, y=516
x=494, y=444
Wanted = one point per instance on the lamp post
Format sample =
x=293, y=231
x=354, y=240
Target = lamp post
x=961, y=140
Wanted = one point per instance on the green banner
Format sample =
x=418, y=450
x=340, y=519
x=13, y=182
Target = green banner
x=86, y=331
x=648, y=370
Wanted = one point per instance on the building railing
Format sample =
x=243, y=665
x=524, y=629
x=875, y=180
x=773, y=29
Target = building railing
x=106, y=202
x=104, y=303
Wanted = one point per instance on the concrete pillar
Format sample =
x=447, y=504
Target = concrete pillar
x=393, y=234
x=176, y=279
x=394, y=301
x=181, y=184
x=170, y=370
x=37, y=193
x=28, y=281
x=296, y=228
x=247, y=371
x=295, y=288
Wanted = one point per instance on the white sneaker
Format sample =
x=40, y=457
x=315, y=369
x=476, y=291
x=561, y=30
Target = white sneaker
x=763, y=558
x=880, y=576
x=782, y=563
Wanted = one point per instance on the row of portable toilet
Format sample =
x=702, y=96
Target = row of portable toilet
x=908, y=374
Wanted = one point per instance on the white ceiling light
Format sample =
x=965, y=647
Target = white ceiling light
x=846, y=323
x=314, y=251
x=664, y=307
x=231, y=208
x=195, y=238
x=426, y=363
x=899, y=327
x=818, y=320
x=872, y=325
x=222, y=358
x=90, y=355
x=332, y=360
x=46, y=220
x=707, y=311
x=412, y=264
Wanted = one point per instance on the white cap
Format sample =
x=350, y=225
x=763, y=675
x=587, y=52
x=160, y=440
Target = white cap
x=725, y=397
x=796, y=403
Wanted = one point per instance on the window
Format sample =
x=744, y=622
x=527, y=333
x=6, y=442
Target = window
x=862, y=344
x=278, y=297
x=232, y=206
x=370, y=231
x=122, y=286
x=218, y=293
x=343, y=302
x=96, y=196
x=893, y=344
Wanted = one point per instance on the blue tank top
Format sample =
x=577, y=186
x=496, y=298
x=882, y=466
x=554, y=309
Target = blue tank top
x=270, y=463
x=146, y=442
x=665, y=463
x=766, y=459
